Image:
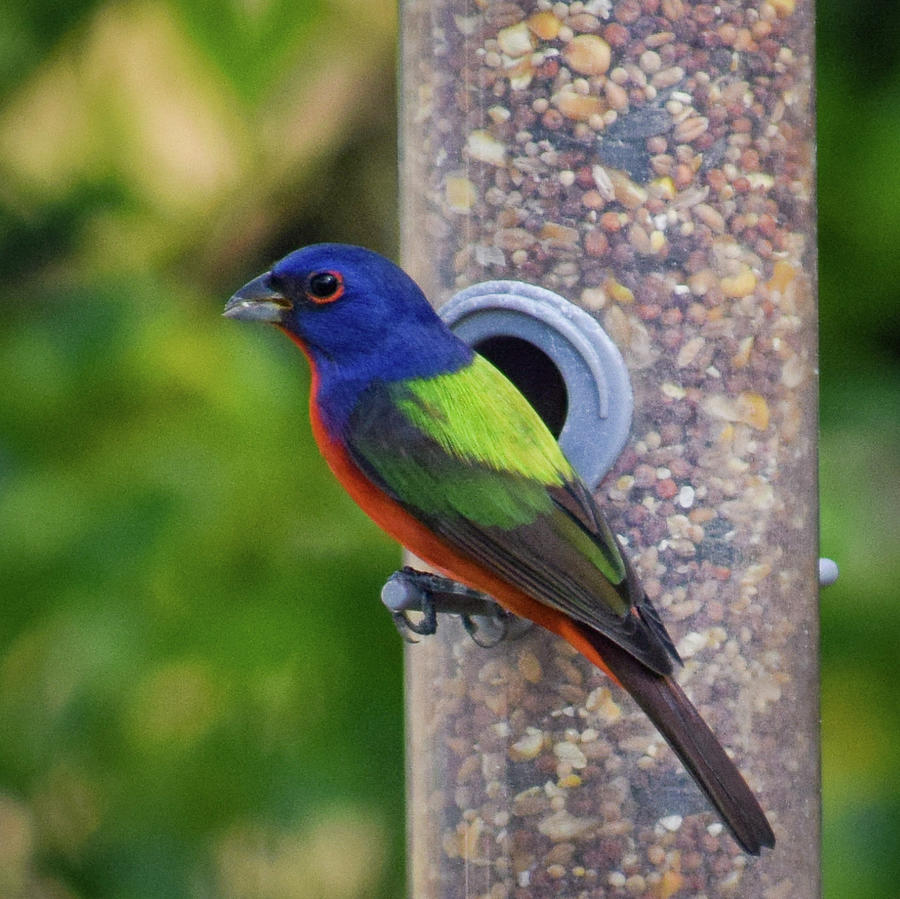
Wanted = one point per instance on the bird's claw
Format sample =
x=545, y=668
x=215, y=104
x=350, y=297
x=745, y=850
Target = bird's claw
x=499, y=622
x=409, y=590
x=422, y=628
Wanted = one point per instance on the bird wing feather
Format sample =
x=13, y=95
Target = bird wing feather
x=501, y=492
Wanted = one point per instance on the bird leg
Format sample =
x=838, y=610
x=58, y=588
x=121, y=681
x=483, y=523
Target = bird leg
x=410, y=590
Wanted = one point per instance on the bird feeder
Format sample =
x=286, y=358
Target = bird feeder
x=651, y=163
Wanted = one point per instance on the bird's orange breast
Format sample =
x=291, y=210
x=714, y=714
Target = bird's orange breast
x=405, y=528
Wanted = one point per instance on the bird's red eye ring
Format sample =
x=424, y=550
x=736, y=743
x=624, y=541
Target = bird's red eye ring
x=324, y=287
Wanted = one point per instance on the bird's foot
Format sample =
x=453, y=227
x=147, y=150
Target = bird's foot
x=409, y=590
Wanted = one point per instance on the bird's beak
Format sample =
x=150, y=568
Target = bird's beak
x=257, y=301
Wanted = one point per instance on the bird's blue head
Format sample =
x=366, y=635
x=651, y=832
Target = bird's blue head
x=358, y=316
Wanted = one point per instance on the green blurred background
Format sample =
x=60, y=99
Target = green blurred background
x=184, y=709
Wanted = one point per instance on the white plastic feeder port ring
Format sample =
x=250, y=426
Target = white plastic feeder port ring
x=560, y=358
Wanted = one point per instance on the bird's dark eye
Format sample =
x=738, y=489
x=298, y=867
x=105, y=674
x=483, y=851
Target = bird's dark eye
x=324, y=287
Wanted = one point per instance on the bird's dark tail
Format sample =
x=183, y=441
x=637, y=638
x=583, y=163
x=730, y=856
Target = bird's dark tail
x=665, y=703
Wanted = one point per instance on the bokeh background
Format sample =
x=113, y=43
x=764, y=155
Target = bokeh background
x=199, y=692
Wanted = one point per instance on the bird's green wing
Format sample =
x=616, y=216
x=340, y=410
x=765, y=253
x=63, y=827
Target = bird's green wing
x=467, y=455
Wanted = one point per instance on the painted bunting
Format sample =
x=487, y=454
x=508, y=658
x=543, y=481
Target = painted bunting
x=446, y=455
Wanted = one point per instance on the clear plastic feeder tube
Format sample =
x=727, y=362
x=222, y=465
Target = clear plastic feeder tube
x=653, y=162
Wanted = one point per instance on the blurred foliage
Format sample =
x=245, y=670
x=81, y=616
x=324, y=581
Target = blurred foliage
x=199, y=693
x=859, y=270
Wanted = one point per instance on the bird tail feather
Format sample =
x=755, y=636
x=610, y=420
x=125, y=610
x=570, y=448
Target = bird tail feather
x=667, y=706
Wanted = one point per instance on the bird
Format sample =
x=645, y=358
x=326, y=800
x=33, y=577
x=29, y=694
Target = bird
x=446, y=455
